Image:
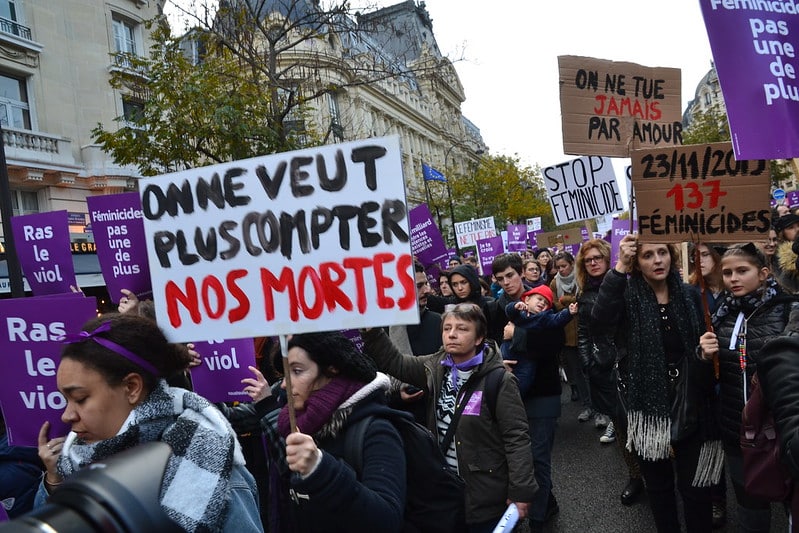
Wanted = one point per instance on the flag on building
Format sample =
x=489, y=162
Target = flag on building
x=431, y=174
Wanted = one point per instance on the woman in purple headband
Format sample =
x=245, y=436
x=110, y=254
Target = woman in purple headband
x=111, y=375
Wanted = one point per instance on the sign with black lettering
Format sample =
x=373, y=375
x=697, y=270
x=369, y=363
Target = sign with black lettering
x=582, y=188
x=700, y=192
x=312, y=240
x=611, y=107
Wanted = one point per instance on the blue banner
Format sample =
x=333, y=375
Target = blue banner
x=431, y=174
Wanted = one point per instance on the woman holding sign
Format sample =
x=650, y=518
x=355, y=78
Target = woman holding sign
x=111, y=375
x=754, y=310
x=668, y=389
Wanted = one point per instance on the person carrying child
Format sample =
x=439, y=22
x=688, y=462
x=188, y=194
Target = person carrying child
x=534, y=312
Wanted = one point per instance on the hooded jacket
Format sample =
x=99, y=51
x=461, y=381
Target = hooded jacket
x=439, y=303
x=494, y=456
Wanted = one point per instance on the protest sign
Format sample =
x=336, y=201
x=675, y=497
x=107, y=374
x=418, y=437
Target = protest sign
x=700, y=192
x=517, y=237
x=42, y=241
x=224, y=365
x=754, y=51
x=121, y=246
x=427, y=244
x=311, y=240
x=582, y=188
x=487, y=250
x=618, y=231
x=531, y=237
x=533, y=224
x=469, y=232
x=557, y=239
x=30, y=333
x=610, y=108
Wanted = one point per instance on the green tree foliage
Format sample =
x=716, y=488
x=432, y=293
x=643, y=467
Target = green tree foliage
x=192, y=114
x=500, y=186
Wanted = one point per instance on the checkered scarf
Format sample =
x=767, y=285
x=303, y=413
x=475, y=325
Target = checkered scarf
x=195, y=491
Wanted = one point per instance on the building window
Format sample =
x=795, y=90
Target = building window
x=124, y=36
x=24, y=202
x=132, y=111
x=14, y=107
x=335, y=118
x=708, y=99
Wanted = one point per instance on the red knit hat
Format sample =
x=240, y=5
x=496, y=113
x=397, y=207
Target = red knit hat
x=541, y=290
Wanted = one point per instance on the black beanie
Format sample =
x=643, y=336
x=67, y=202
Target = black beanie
x=331, y=348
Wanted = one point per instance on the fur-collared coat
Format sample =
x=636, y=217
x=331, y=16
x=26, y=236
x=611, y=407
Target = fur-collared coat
x=785, y=270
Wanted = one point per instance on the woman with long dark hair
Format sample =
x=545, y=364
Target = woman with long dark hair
x=668, y=389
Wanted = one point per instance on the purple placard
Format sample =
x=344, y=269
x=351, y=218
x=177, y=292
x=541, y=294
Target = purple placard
x=224, y=366
x=427, y=244
x=355, y=336
x=121, y=249
x=487, y=250
x=754, y=51
x=517, y=237
x=42, y=241
x=619, y=229
x=531, y=239
x=31, y=354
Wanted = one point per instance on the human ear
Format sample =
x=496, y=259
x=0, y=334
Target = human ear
x=134, y=388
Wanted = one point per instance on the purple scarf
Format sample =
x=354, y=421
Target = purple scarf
x=466, y=365
x=320, y=406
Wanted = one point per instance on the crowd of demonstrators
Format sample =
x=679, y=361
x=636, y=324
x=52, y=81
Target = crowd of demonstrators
x=489, y=445
x=464, y=282
x=755, y=310
x=668, y=389
x=602, y=351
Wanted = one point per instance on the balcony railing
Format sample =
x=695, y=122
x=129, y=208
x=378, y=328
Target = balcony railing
x=122, y=61
x=15, y=28
x=25, y=145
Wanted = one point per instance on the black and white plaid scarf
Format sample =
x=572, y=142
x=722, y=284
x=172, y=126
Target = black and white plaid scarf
x=194, y=492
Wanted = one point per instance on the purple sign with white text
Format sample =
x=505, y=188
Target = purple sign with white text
x=754, y=49
x=427, y=245
x=224, y=366
x=42, y=241
x=30, y=351
x=121, y=249
x=619, y=229
x=517, y=237
x=487, y=250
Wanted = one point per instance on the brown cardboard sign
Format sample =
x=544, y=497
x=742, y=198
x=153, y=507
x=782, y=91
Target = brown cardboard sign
x=700, y=192
x=611, y=108
x=556, y=239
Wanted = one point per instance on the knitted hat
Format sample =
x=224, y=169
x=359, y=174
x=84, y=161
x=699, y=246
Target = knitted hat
x=541, y=290
x=334, y=349
x=784, y=221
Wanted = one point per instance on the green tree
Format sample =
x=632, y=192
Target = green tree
x=500, y=186
x=191, y=114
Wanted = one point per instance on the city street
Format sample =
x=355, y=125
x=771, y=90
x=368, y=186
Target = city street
x=588, y=478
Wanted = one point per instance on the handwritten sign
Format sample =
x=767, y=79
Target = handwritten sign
x=700, y=192
x=755, y=53
x=610, y=107
x=29, y=333
x=558, y=239
x=582, y=188
x=471, y=231
x=311, y=240
x=42, y=241
x=122, y=248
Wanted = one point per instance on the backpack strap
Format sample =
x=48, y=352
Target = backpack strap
x=354, y=437
x=492, y=382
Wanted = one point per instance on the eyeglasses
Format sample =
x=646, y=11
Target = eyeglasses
x=593, y=259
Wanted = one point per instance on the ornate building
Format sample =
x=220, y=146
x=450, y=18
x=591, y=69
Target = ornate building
x=55, y=60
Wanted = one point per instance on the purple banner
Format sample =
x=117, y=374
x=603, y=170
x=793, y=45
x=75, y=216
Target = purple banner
x=224, y=366
x=31, y=353
x=517, y=237
x=42, y=241
x=427, y=244
x=619, y=229
x=487, y=250
x=121, y=249
x=754, y=49
x=531, y=240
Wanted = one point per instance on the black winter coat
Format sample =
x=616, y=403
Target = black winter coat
x=765, y=324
